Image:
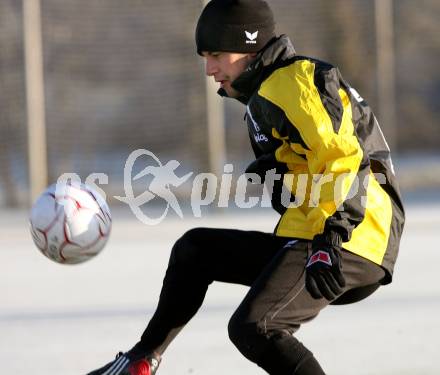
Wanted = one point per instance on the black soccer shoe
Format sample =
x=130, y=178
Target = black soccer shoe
x=123, y=365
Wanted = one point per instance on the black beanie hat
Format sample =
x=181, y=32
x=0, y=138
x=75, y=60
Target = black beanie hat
x=234, y=26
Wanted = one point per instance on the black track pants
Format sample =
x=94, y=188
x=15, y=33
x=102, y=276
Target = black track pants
x=273, y=309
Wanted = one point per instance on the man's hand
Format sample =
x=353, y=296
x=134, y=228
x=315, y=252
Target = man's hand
x=324, y=276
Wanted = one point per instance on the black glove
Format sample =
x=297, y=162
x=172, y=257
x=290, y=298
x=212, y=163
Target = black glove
x=324, y=276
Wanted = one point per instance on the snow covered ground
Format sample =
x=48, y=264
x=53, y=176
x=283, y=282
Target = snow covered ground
x=67, y=320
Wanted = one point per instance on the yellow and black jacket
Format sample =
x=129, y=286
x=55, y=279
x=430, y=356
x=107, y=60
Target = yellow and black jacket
x=307, y=124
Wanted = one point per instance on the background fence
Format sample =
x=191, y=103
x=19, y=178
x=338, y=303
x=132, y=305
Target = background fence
x=124, y=75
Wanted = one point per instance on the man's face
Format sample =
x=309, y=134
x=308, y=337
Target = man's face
x=225, y=67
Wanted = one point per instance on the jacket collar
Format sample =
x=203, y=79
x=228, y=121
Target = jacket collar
x=272, y=56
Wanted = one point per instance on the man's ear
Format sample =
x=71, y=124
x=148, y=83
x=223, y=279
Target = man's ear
x=251, y=56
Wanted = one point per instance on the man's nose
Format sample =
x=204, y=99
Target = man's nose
x=210, y=67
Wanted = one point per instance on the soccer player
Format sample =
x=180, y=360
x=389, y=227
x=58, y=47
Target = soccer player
x=338, y=235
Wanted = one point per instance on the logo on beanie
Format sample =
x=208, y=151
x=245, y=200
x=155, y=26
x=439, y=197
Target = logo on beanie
x=251, y=37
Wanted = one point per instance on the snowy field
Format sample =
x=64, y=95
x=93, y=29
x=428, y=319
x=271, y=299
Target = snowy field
x=67, y=320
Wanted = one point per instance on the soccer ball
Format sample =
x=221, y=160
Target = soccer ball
x=70, y=223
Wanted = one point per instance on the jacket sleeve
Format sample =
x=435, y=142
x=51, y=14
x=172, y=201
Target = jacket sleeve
x=310, y=106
